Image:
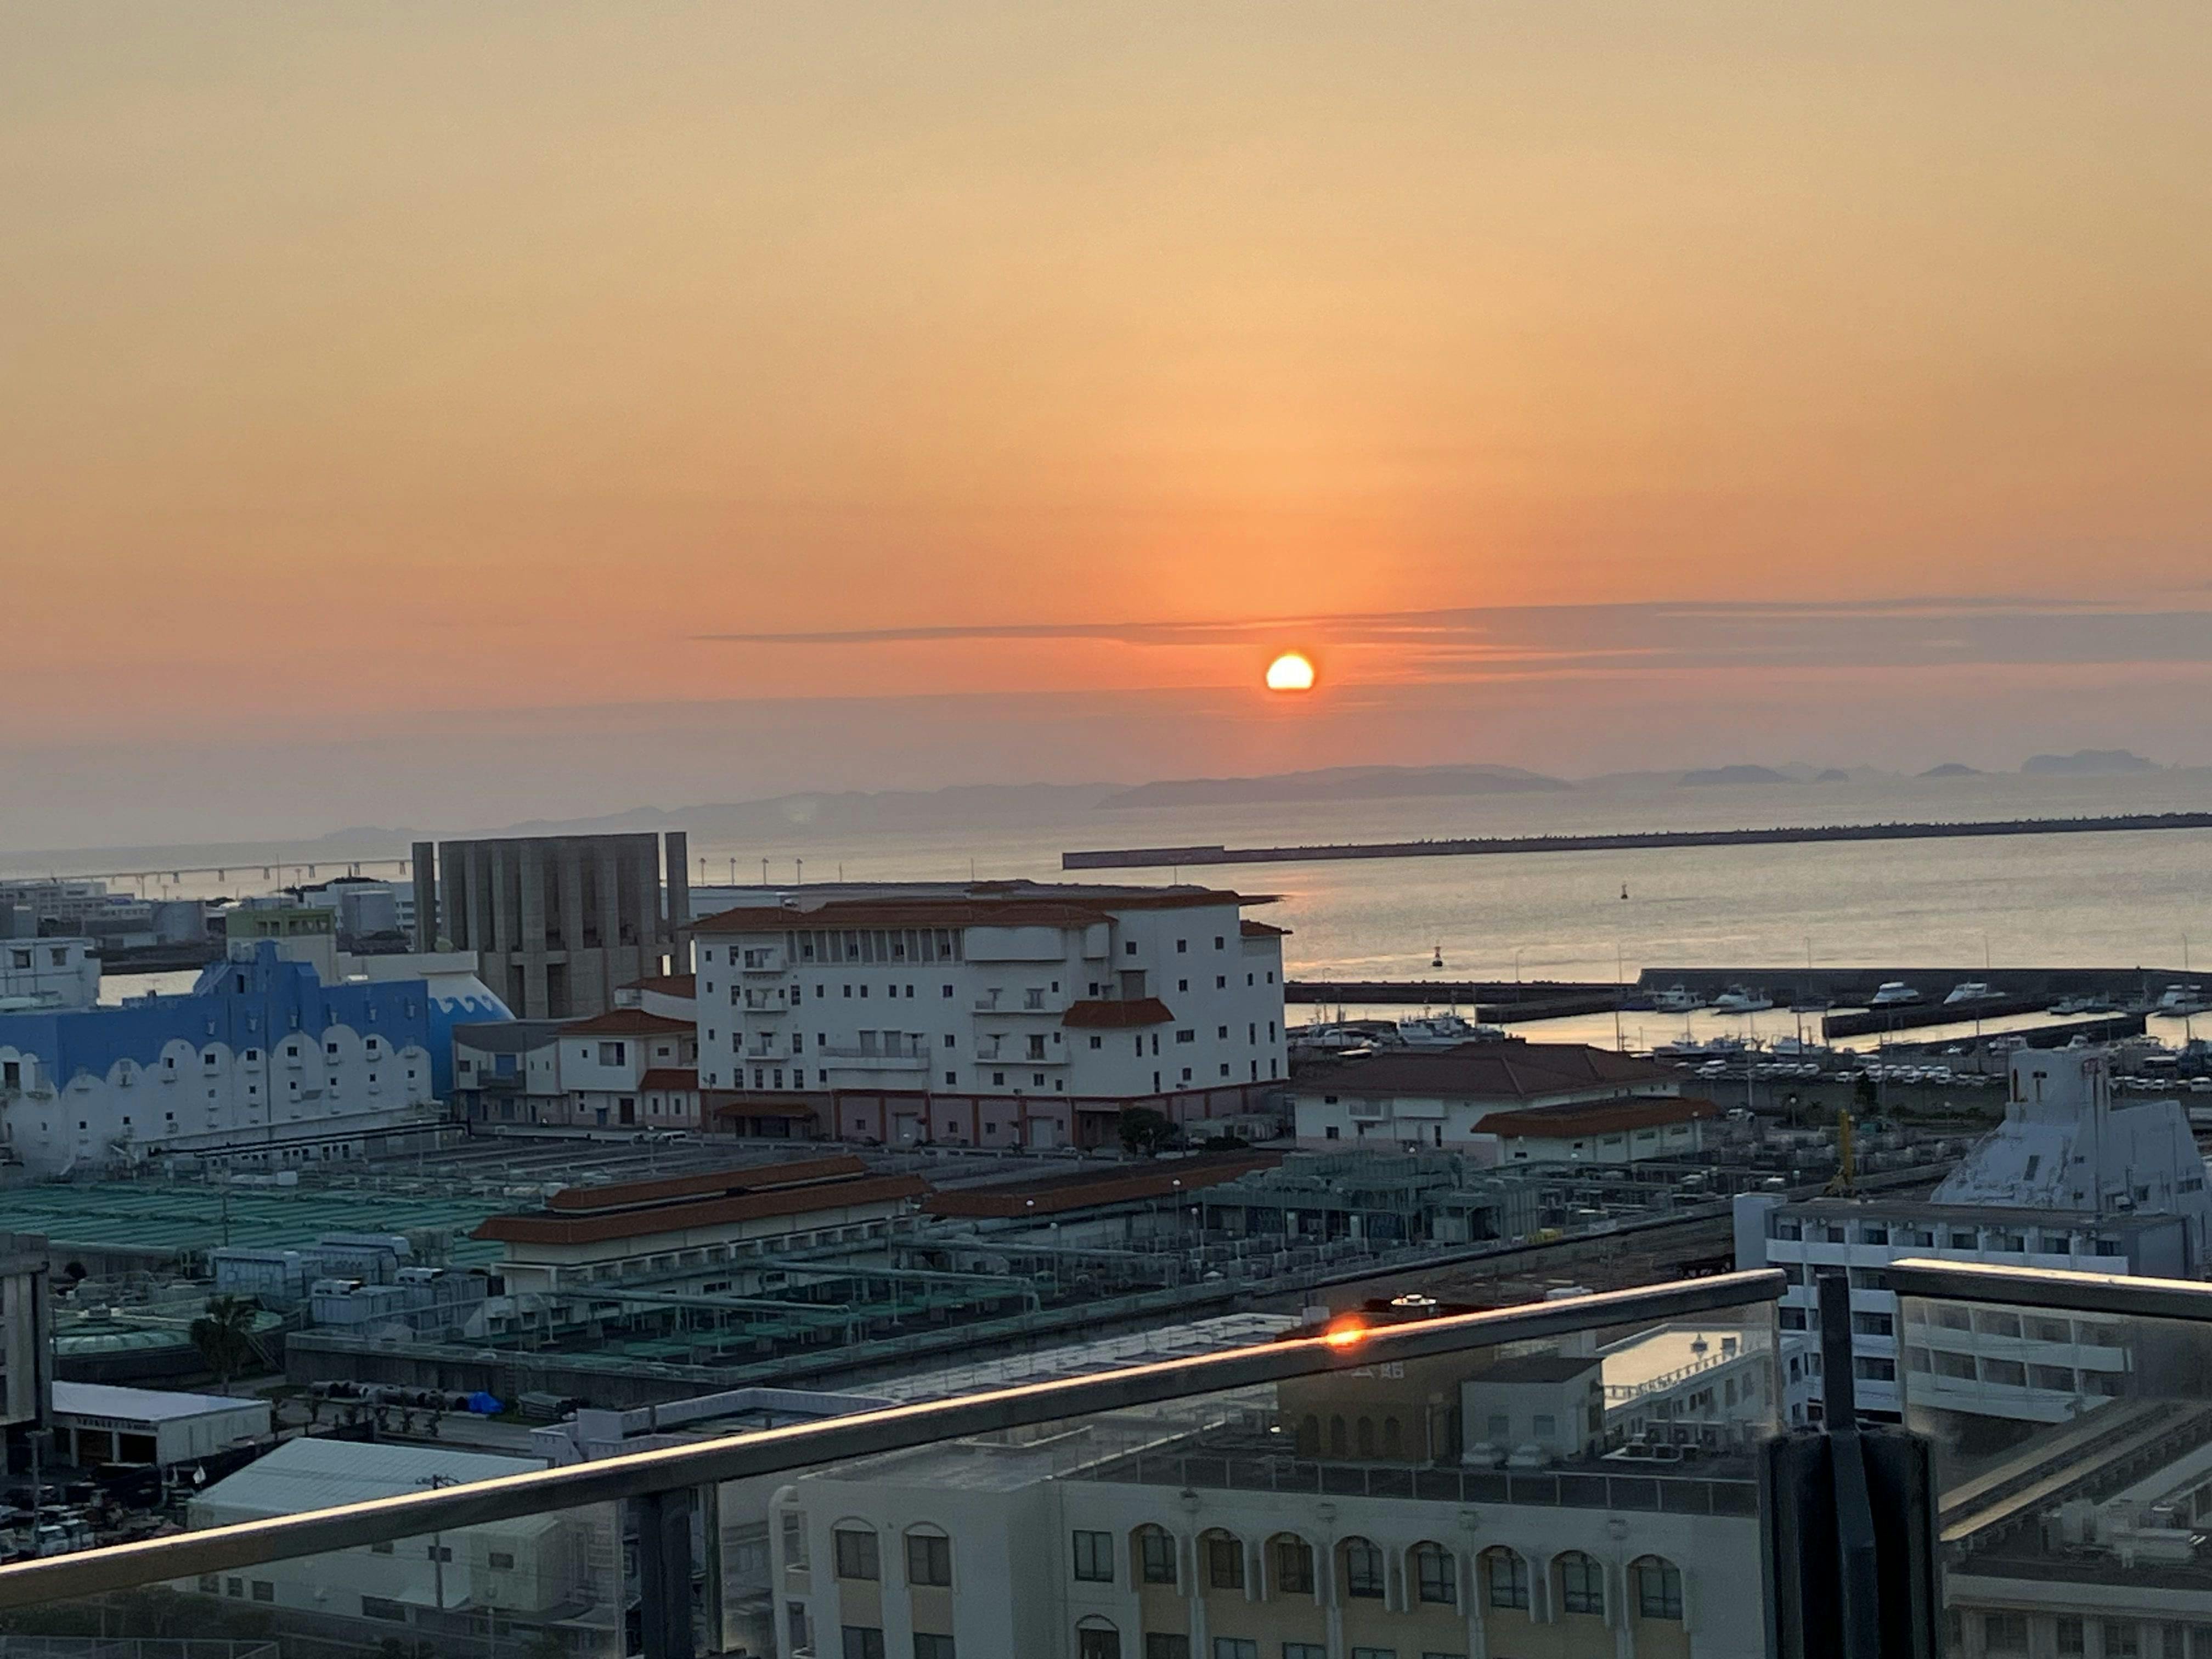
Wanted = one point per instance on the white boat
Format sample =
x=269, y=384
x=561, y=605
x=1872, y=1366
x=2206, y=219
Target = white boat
x=1721, y=1047
x=1444, y=1031
x=1894, y=993
x=1675, y=1000
x=1973, y=990
x=2083, y=1005
x=1737, y=1000
x=2181, y=1000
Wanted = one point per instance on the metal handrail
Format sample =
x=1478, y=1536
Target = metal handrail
x=2118, y=1294
x=800, y=1446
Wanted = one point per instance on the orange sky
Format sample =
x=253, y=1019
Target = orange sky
x=486, y=355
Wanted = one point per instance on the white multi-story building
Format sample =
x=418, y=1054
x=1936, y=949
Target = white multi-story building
x=1258, y=1526
x=995, y=1013
x=2072, y=1179
x=47, y=972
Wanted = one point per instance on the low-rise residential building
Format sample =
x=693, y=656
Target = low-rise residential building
x=2073, y=1179
x=605, y=1063
x=509, y=1071
x=990, y=1013
x=1500, y=1100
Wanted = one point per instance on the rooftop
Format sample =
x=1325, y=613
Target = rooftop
x=1081, y=1189
x=142, y=1405
x=667, y=985
x=646, y=1220
x=1117, y=1016
x=1513, y=1070
x=1599, y=1117
x=509, y=1036
x=318, y=1472
x=977, y=904
x=626, y=1022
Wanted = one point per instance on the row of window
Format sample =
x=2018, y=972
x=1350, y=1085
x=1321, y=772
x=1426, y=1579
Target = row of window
x=2002, y=1241
x=1503, y=1574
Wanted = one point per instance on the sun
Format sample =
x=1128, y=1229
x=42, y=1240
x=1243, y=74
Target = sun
x=1292, y=672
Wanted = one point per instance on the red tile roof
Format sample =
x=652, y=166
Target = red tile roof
x=707, y=1212
x=718, y=1183
x=1116, y=1016
x=1252, y=929
x=626, y=1022
x=1597, y=1117
x=1091, y=1188
x=669, y=985
x=986, y=904
x=1512, y=1070
x=671, y=1079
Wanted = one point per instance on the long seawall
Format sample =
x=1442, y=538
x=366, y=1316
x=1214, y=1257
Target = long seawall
x=1136, y=857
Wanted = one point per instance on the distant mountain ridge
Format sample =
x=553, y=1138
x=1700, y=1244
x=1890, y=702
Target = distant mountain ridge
x=1338, y=783
x=2087, y=763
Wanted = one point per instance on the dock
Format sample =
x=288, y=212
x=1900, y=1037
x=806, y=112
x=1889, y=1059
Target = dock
x=1139, y=858
x=1497, y=1003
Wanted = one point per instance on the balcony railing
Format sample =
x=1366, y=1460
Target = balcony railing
x=439, y=1564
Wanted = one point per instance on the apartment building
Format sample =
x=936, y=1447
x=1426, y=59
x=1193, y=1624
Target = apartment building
x=47, y=972
x=993, y=1013
x=2073, y=1178
x=1236, y=1528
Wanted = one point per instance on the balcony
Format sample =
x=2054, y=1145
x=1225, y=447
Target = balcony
x=1050, y=1003
x=754, y=1001
x=905, y=1054
x=765, y=959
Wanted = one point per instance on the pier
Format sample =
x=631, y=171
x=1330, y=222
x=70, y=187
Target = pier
x=1138, y=857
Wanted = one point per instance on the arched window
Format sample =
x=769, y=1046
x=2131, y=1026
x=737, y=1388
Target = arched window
x=1506, y=1576
x=1658, y=1587
x=1435, y=1574
x=1156, y=1556
x=1223, y=1555
x=1290, y=1559
x=1367, y=1437
x=1393, y=1438
x=1339, y=1445
x=1097, y=1638
x=1581, y=1583
x=1363, y=1569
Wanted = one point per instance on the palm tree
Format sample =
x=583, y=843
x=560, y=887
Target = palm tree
x=224, y=1335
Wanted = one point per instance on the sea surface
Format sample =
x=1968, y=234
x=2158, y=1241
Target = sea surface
x=2108, y=900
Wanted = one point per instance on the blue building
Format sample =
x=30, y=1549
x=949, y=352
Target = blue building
x=260, y=1063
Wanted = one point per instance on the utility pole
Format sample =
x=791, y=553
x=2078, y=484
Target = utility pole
x=438, y=1541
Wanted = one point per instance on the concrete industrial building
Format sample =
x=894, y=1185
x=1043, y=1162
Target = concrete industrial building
x=557, y=923
x=991, y=1014
x=97, y=1423
x=1527, y=1102
x=27, y=1347
x=2072, y=1179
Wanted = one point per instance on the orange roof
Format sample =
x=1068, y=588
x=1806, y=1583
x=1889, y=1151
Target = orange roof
x=1093, y=1188
x=718, y=1183
x=986, y=904
x=674, y=1079
x=669, y=985
x=1512, y=1070
x=1252, y=929
x=1116, y=1016
x=792, y=1106
x=626, y=1022
x=707, y=1212
x=1599, y=1117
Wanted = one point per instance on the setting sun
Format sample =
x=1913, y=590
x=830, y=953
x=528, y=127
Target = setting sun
x=1290, y=673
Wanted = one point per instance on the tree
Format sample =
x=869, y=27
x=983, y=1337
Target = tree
x=1144, y=1130
x=224, y=1335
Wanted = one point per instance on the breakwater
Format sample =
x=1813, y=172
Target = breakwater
x=1135, y=858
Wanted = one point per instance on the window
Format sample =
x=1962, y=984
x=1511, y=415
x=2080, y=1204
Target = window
x=376, y=1607
x=1507, y=1576
x=1235, y=1647
x=264, y=1590
x=1294, y=1566
x=932, y=1647
x=929, y=1560
x=2121, y=1641
x=1304, y=1651
x=863, y=1642
x=1432, y=1571
x=2005, y=1632
x=2072, y=1640
x=384, y=1548
x=1166, y=1646
x=1224, y=1563
x=1096, y=1643
x=1156, y=1554
x=502, y=1561
x=1658, y=1588
x=1581, y=1583
x=1094, y=1558
x=1375, y=1653
x=1363, y=1569
x=857, y=1555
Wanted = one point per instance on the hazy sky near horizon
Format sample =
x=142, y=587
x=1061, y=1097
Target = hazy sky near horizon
x=370, y=371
